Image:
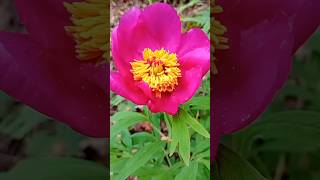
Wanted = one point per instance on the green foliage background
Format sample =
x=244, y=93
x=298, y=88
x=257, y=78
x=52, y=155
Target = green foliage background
x=285, y=142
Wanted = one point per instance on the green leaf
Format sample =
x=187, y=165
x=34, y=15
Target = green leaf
x=195, y=125
x=205, y=162
x=231, y=166
x=20, y=123
x=5, y=103
x=174, y=138
x=181, y=133
x=188, y=172
x=116, y=100
x=200, y=103
x=290, y=131
x=188, y=5
x=141, y=137
x=156, y=173
x=139, y=160
x=123, y=120
x=44, y=143
x=202, y=19
x=57, y=168
x=184, y=142
x=126, y=138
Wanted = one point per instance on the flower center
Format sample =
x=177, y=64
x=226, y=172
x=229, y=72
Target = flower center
x=89, y=28
x=217, y=32
x=159, y=69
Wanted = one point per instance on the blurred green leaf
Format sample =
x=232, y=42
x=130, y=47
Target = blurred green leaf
x=5, y=103
x=21, y=122
x=232, y=167
x=65, y=140
x=57, y=168
x=290, y=131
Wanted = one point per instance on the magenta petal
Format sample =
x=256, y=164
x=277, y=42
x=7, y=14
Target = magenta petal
x=251, y=71
x=37, y=78
x=303, y=25
x=126, y=88
x=145, y=89
x=251, y=12
x=122, y=66
x=96, y=74
x=163, y=24
x=193, y=39
x=198, y=58
x=122, y=37
x=130, y=38
x=45, y=21
x=189, y=83
x=139, y=29
x=166, y=104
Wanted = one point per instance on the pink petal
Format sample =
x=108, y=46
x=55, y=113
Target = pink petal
x=215, y=130
x=165, y=104
x=96, y=73
x=163, y=23
x=187, y=87
x=53, y=83
x=45, y=22
x=189, y=83
x=140, y=29
x=250, y=12
x=197, y=58
x=251, y=71
x=122, y=36
x=122, y=66
x=303, y=25
x=129, y=39
x=126, y=88
x=193, y=39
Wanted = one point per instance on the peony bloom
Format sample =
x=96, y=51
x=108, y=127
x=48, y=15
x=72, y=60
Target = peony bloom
x=263, y=36
x=157, y=65
x=46, y=70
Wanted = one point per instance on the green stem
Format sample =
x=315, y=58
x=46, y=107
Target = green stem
x=167, y=157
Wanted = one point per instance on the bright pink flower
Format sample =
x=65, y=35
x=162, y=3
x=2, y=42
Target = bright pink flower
x=263, y=36
x=158, y=65
x=40, y=69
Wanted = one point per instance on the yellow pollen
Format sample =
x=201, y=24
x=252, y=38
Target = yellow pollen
x=89, y=28
x=216, y=34
x=159, y=69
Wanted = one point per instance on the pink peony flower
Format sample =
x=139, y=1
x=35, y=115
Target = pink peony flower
x=40, y=67
x=157, y=65
x=263, y=36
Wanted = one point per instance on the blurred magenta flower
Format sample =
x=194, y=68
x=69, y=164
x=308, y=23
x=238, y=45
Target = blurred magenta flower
x=263, y=36
x=157, y=65
x=40, y=67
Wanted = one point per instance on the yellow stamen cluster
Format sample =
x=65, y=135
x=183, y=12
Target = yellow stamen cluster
x=159, y=69
x=217, y=32
x=89, y=28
